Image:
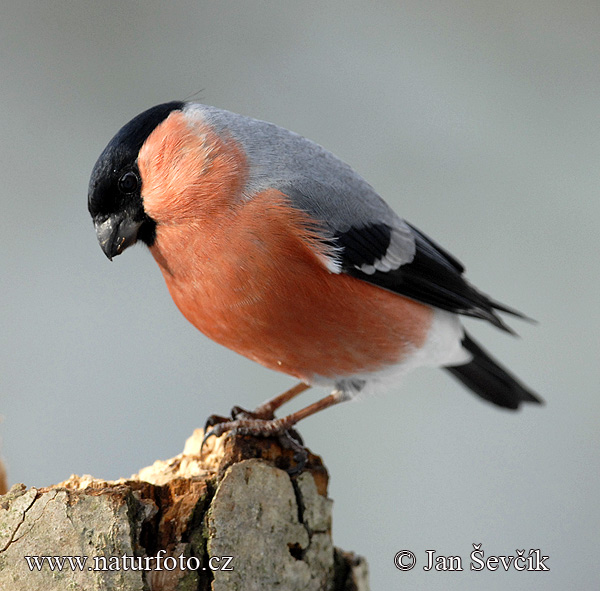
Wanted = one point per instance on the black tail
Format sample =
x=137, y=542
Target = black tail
x=489, y=380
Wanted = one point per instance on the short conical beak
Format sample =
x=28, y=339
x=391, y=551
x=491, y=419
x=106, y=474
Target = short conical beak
x=115, y=233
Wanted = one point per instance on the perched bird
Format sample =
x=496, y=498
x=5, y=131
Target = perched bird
x=273, y=247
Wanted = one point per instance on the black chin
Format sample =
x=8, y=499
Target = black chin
x=147, y=232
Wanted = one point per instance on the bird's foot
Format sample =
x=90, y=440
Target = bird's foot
x=246, y=426
x=213, y=420
x=244, y=423
x=237, y=413
x=260, y=423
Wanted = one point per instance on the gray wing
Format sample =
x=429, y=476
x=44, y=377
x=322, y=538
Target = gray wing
x=371, y=242
x=375, y=245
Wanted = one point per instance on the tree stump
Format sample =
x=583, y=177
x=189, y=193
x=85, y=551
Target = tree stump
x=233, y=519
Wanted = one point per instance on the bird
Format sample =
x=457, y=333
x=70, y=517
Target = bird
x=273, y=247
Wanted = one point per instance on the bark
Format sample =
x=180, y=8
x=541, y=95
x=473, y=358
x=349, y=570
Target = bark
x=3, y=485
x=165, y=527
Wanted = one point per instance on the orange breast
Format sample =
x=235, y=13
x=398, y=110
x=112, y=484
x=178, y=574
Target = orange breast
x=251, y=280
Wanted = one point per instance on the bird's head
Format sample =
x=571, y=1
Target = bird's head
x=115, y=191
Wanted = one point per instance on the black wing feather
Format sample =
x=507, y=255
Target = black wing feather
x=430, y=274
x=363, y=246
x=433, y=276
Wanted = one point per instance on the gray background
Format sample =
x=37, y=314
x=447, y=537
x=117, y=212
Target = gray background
x=478, y=121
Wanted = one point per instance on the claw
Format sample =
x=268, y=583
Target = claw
x=207, y=436
x=213, y=420
x=287, y=441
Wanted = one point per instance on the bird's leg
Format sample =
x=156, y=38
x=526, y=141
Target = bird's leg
x=267, y=409
x=271, y=427
x=280, y=428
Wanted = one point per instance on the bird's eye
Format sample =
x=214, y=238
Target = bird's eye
x=129, y=182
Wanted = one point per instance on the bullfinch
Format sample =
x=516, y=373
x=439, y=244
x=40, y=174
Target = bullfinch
x=276, y=249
